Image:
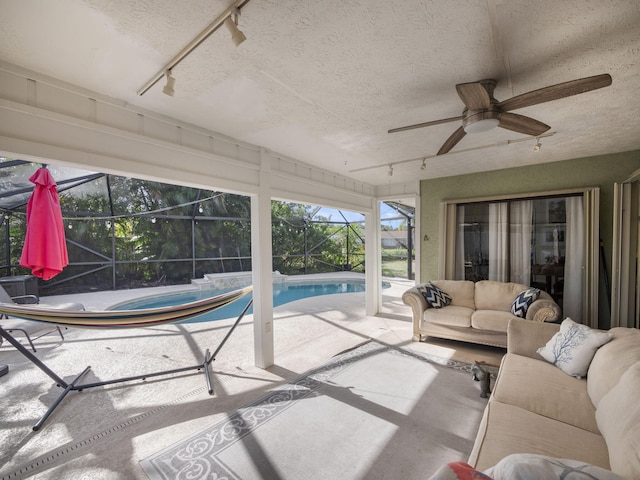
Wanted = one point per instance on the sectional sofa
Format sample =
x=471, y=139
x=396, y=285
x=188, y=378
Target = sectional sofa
x=538, y=409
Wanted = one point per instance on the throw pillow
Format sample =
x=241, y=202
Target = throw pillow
x=526, y=466
x=435, y=297
x=458, y=471
x=523, y=301
x=573, y=347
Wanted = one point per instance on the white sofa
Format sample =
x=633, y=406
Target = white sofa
x=478, y=313
x=537, y=408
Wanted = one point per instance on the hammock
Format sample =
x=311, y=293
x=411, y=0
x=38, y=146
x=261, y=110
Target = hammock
x=121, y=318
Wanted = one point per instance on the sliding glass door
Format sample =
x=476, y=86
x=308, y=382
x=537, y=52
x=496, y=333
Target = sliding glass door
x=542, y=241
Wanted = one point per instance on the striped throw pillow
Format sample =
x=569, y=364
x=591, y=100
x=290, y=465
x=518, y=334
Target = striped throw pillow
x=523, y=301
x=435, y=297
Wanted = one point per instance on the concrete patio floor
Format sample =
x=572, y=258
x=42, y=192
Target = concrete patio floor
x=103, y=432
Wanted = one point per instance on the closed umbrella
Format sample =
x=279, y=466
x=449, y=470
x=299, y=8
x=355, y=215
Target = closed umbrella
x=45, y=248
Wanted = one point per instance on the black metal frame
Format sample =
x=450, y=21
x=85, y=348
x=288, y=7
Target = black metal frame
x=75, y=386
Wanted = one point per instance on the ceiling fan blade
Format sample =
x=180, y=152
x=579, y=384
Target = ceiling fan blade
x=425, y=124
x=474, y=95
x=522, y=124
x=555, y=92
x=452, y=141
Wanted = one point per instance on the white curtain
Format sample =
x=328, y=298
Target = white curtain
x=574, y=259
x=460, y=256
x=498, y=241
x=521, y=223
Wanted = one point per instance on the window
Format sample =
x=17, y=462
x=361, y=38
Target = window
x=545, y=240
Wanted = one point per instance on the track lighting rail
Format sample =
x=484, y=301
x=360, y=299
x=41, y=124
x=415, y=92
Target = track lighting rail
x=424, y=159
x=235, y=7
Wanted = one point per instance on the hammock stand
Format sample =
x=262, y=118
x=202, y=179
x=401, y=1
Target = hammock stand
x=152, y=318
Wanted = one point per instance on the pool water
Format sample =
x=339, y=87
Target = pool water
x=281, y=294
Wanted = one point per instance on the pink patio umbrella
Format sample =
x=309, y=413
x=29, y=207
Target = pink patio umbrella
x=45, y=248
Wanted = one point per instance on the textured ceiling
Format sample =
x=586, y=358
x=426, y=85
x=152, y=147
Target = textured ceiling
x=323, y=81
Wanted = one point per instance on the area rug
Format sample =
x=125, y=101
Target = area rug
x=374, y=412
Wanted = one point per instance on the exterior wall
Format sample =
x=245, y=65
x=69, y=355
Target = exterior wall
x=599, y=171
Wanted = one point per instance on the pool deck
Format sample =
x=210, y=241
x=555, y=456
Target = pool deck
x=103, y=433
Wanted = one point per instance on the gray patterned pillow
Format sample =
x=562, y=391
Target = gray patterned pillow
x=523, y=301
x=435, y=297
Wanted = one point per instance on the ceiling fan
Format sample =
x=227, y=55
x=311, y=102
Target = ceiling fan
x=482, y=112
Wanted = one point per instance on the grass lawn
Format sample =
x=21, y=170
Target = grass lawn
x=396, y=268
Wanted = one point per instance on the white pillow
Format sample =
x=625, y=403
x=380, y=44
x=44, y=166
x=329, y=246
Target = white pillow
x=527, y=466
x=573, y=347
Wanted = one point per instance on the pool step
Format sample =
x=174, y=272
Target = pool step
x=230, y=280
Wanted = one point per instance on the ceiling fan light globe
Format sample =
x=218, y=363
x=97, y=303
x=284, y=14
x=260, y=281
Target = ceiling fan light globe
x=483, y=125
x=478, y=121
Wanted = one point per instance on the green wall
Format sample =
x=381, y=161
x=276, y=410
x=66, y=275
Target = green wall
x=599, y=171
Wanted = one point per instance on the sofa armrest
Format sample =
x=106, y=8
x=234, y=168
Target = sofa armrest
x=418, y=304
x=524, y=337
x=543, y=310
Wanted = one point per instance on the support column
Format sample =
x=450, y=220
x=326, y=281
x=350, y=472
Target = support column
x=418, y=238
x=262, y=266
x=373, y=260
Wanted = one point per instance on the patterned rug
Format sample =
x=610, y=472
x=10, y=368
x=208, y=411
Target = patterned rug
x=374, y=412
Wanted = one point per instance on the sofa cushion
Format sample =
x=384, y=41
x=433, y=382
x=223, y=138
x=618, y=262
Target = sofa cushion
x=541, y=388
x=491, y=295
x=611, y=361
x=495, y=320
x=573, y=347
x=435, y=297
x=461, y=292
x=449, y=315
x=523, y=301
x=525, y=336
x=618, y=417
x=507, y=429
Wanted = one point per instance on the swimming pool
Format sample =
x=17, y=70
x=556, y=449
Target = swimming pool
x=282, y=293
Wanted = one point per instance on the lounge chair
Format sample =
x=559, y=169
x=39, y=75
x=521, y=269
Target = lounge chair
x=29, y=328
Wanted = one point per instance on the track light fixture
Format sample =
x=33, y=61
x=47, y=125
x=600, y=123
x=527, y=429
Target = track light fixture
x=237, y=37
x=415, y=160
x=537, y=146
x=171, y=81
x=424, y=164
x=228, y=17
